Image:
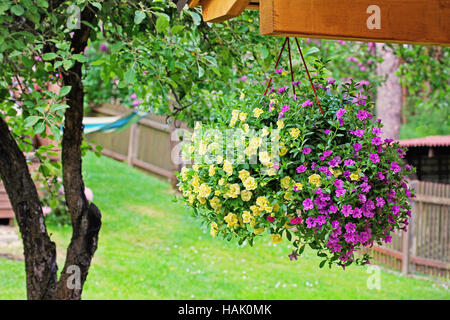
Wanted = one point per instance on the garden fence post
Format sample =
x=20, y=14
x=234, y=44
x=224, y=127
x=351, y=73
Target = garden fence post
x=412, y=227
x=133, y=143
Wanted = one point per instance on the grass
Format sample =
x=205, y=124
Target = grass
x=151, y=248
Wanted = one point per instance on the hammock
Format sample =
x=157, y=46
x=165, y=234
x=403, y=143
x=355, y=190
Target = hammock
x=111, y=124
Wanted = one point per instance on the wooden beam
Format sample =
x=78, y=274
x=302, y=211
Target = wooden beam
x=401, y=21
x=221, y=10
x=193, y=3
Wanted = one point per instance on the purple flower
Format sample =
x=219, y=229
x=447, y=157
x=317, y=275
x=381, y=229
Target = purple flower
x=103, y=47
x=340, y=192
x=293, y=255
x=307, y=103
x=243, y=78
x=278, y=71
x=335, y=224
x=380, y=176
x=359, y=133
x=282, y=89
x=327, y=131
x=306, y=150
x=395, y=167
x=395, y=210
x=308, y=204
x=357, y=147
x=365, y=187
x=340, y=113
x=374, y=157
x=349, y=162
x=377, y=141
x=350, y=227
x=133, y=96
x=377, y=131
x=357, y=213
x=280, y=115
x=362, y=115
x=270, y=219
x=136, y=103
x=338, y=183
x=380, y=202
x=346, y=210
x=301, y=168
x=285, y=108
x=333, y=209
x=327, y=153
x=362, y=198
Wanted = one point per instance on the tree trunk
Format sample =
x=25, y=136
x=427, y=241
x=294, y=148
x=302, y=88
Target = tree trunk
x=389, y=95
x=39, y=250
x=85, y=217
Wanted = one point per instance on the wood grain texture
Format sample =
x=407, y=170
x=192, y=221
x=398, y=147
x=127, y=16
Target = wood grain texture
x=403, y=21
x=219, y=11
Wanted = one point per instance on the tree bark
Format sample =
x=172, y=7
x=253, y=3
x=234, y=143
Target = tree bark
x=39, y=250
x=389, y=95
x=85, y=216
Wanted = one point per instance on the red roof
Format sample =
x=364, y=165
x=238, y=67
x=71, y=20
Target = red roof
x=433, y=141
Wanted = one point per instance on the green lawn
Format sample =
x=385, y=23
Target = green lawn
x=151, y=248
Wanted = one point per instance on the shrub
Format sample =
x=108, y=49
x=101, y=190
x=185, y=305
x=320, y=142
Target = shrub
x=328, y=181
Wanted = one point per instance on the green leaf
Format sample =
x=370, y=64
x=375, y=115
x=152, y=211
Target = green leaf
x=201, y=71
x=176, y=29
x=139, y=16
x=40, y=127
x=162, y=23
x=17, y=10
x=129, y=76
x=322, y=264
x=49, y=56
x=64, y=91
x=31, y=121
x=80, y=58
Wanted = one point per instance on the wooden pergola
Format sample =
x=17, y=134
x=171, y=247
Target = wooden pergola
x=398, y=21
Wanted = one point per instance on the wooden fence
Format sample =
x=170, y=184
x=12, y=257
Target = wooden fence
x=148, y=144
x=425, y=248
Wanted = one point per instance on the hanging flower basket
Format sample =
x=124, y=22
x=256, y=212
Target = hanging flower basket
x=308, y=173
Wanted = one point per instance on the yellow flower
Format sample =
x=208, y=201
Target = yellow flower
x=233, y=191
x=235, y=113
x=204, y=190
x=242, y=116
x=219, y=159
x=284, y=73
x=184, y=172
x=250, y=183
x=214, y=229
x=202, y=148
x=335, y=172
x=265, y=132
x=195, y=167
x=298, y=185
x=271, y=172
x=280, y=124
x=246, y=216
x=217, y=193
x=288, y=195
x=246, y=195
x=215, y=203
x=249, y=151
x=294, y=132
x=276, y=238
x=283, y=151
x=246, y=127
x=285, y=182
x=259, y=230
x=255, y=142
x=243, y=174
x=355, y=176
x=257, y=112
x=262, y=202
x=228, y=167
x=212, y=170
x=221, y=181
x=231, y=220
x=191, y=199
x=264, y=157
x=191, y=149
x=255, y=210
x=315, y=179
x=195, y=182
x=201, y=199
